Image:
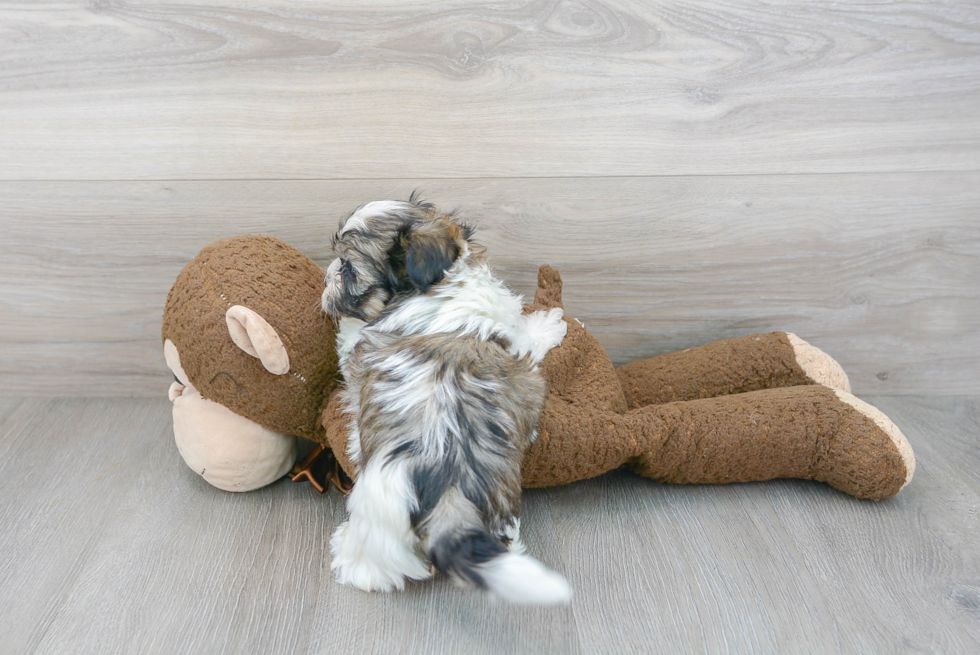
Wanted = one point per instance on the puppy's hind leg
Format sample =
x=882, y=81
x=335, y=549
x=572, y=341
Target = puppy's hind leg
x=375, y=549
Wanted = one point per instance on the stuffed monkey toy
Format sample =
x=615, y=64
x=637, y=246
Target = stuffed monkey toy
x=255, y=367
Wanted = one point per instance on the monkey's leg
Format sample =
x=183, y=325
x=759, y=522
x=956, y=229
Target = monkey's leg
x=730, y=366
x=810, y=432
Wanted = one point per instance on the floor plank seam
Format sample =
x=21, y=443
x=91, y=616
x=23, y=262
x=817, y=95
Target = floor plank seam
x=476, y=178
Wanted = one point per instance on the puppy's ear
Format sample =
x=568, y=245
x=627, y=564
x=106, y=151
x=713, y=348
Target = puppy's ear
x=431, y=251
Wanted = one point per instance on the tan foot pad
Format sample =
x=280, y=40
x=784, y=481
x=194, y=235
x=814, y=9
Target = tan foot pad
x=818, y=365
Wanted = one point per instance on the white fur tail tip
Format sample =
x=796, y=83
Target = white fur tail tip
x=524, y=580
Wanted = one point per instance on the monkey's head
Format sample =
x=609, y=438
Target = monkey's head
x=253, y=357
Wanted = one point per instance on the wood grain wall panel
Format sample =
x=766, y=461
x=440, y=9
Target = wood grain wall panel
x=880, y=270
x=304, y=90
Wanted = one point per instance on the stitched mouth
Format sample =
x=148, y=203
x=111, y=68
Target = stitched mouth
x=230, y=377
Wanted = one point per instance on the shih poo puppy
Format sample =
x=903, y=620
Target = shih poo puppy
x=444, y=394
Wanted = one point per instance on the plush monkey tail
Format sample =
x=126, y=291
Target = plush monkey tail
x=548, y=293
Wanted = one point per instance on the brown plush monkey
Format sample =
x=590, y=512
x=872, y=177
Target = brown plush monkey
x=255, y=364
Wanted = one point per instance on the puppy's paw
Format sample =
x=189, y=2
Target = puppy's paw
x=546, y=330
x=366, y=575
x=552, y=329
x=369, y=565
x=354, y=567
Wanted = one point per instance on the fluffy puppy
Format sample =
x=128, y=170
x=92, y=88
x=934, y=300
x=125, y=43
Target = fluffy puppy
x=444, y=395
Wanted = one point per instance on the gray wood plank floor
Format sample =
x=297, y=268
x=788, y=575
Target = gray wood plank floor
x=111, y=545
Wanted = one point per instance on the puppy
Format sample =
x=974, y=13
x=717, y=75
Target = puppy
x=444, y=396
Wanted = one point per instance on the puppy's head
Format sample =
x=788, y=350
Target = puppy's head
x=387, y=249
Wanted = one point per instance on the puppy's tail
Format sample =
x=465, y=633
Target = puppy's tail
x=475, y=557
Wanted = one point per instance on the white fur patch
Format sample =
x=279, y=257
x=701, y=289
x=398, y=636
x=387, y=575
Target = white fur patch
x=348, y=334
x=358, y=220
x=544, y=331
x=524, y=580
x=375, y=549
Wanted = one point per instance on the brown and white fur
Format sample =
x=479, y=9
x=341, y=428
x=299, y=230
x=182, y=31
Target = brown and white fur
x=444, y=395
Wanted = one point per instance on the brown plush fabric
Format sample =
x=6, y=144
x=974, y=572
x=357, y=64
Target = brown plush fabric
x=735, y=410
x=722, y=368
x=284, y=286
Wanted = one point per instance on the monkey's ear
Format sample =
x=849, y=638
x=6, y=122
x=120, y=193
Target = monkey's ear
x=255, y=336
x=431, y=251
